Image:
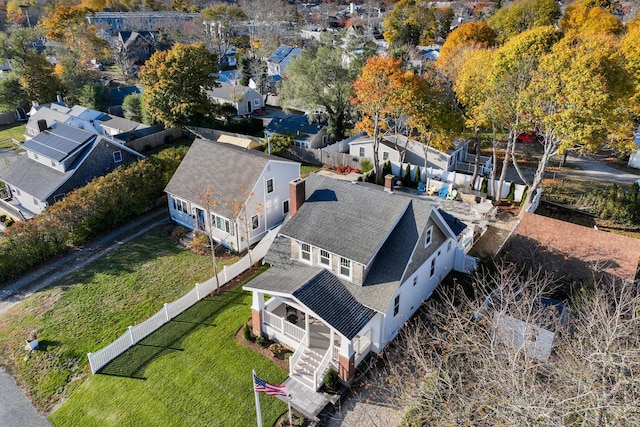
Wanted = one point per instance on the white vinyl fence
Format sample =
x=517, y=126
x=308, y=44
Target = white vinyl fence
x=170, y=310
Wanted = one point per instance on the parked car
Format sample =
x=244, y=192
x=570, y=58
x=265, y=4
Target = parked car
x=529, y=137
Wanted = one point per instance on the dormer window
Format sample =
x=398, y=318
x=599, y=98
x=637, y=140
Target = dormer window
x=345, y=267
x=305, y=252
x=428, y=237
x=324, y=258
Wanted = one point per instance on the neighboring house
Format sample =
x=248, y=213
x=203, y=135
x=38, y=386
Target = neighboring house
x=236, y=195
x=138, y=46
x=243, y=98
x=279, y=60
x=571, y=252
x=349, y=268
x=634, y=158
x=5, y=67
x=113, y=22
x=42, y=117
x=456, y=158
x=58, y=160
x=304, y=130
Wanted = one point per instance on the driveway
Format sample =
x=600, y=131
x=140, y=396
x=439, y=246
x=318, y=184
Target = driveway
x=15, y=408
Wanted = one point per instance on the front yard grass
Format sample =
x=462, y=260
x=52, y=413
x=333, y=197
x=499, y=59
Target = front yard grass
x=191, y=372
x=9, y=132
x=89, y=309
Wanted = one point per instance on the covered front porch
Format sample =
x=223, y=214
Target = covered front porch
x=318, y=346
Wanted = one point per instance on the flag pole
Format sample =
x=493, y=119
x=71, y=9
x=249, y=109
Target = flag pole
x=258, y=414
x=289, y=403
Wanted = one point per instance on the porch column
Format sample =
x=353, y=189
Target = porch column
x=306, y=329
x=346, y=360
x=257, y=306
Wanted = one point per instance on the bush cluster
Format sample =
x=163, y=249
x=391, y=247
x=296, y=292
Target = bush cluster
x=99, y=206
x=346, y=170
x=617, y=204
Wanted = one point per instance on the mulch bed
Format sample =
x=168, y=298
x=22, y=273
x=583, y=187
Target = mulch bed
x=263, y=349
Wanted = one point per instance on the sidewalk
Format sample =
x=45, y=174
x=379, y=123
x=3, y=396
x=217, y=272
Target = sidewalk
x=54, y=271
x=15, y=408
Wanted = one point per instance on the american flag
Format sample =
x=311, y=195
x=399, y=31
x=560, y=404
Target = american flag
x=261, y=385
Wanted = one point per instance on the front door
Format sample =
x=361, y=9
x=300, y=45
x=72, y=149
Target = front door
x=200, y=218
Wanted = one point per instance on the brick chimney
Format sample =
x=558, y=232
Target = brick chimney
x=297, y=195
x=388, y=182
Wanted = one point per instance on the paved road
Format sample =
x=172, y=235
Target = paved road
x=15, y=408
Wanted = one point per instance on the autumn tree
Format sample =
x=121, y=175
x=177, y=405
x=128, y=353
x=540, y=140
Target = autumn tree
x=523, y=15
x=581, y=18
x=175, y=84
x=411, y=22
x=468, y=36
x=38, y=79
x=577, y=96
x=68, y=25
x=317, y=79
x=218, y=23
x=630, y=47
x=373, y=98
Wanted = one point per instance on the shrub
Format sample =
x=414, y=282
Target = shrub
x=416, y=179
x=484, y=186
x=177, y=233
x=524, y=195
x=366, y=165
x=246, y=332
x=512, y=192
x=260, y=340
x=331, y=379
x=406, y=179
x=200, y=245
x=386, y=167
x=276, y=349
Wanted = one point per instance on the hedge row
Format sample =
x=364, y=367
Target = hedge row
x=86, y=212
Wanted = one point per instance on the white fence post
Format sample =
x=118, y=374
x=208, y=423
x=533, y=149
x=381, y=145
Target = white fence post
x=166, y=311
x=133, y=341
x=93, y=371
x=198, y=291
x=224, y=270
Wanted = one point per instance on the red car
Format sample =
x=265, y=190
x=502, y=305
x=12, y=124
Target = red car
x=529, y=137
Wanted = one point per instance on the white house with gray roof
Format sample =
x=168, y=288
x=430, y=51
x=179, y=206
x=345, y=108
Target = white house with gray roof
x=58, y=160
x=349, y=267
x=236, y=195
x=243, y=98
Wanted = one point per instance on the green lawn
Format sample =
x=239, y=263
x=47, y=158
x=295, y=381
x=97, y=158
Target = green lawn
x=191, y=372
x=92, y=307
x=7, y=132
x=306, y=169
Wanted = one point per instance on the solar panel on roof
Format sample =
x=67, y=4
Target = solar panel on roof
x=58, y=142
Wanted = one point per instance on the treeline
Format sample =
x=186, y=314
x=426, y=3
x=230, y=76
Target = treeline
x=86, y=212
x=620, y=205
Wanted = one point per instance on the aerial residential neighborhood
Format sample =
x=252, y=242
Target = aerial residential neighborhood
x=328, y=213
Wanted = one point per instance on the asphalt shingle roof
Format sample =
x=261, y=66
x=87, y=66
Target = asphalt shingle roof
x=226, y=170
x=347, y=219
x=34, y=178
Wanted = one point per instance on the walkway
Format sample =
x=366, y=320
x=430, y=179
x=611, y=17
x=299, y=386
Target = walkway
x=15, y=408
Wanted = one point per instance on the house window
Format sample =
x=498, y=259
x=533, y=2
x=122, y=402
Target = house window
x=415, y=280
x=345, y=267
x=428, y=237
x=255, y=223
x=396, y=305
x=222, y=224
x=270, y=185
x=285, y=207
x=433, y=267
x=449, y=246
x=305, y=252
x=117, y=156
x=182, y=206
x=325, y=258
x=256, y=102
x=361, y=151
x=385, y=155
x=58, y=197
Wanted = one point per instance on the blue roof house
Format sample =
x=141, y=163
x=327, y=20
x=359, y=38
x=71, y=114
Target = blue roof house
x=305, y=131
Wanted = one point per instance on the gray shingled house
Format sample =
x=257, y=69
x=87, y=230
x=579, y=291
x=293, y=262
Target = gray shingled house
x=236, y=195
x=348, y=269
x=59, y=159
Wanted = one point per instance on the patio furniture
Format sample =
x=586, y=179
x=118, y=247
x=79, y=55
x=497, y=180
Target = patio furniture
x=453, y=195
x=443, y=192
x=421, y=189
x=432, y=191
